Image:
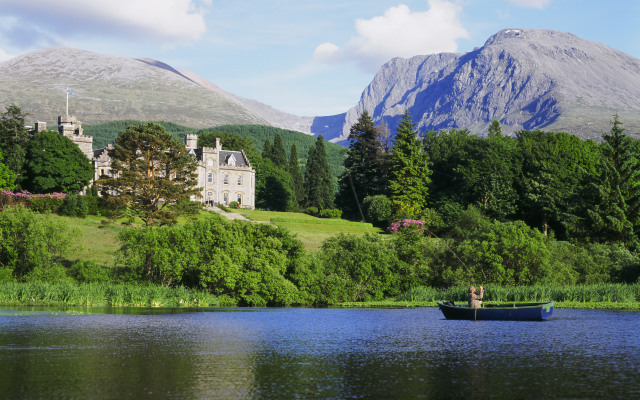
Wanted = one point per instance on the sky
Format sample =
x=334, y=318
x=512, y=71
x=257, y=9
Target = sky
x=305, y=57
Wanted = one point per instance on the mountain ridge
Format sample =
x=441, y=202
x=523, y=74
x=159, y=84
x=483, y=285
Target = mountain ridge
x=525, y=78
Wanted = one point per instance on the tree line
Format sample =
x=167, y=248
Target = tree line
x=574, y=190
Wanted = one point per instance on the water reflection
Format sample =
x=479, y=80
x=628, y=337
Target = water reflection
x=315, y=353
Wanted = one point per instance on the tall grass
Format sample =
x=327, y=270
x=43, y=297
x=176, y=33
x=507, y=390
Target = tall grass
x=606, y=292
x=102, y=295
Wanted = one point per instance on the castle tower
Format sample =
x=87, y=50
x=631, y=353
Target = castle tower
x=69, y=126
x=191, y=141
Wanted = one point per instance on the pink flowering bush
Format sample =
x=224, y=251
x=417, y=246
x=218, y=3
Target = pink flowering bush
x=41, y=203
x=407, y=225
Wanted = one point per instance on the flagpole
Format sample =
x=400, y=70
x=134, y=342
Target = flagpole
x=67, y=102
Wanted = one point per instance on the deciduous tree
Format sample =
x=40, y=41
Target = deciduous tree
x=56, y=164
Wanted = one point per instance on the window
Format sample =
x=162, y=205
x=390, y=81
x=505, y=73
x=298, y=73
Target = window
x=240, y=180
x=226, y=179
x=210, y=177
x=226, y=198
x=240, y=198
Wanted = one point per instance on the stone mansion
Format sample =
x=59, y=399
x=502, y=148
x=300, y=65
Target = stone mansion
x=224, y=176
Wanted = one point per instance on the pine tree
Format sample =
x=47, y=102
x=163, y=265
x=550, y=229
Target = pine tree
x=267, y=149
x=615, y=214
x=297, y=181
x=153, y=171
x=318, y=183
x=410, y=174
x=278, y=153
x=366, y=166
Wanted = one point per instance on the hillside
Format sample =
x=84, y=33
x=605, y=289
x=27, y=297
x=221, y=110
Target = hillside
x=106, y=133
x=111, y=88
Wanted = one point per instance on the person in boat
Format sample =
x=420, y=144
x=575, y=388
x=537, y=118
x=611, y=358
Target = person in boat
x=475, y=300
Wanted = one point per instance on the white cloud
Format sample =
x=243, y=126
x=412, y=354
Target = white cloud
x=539, y=4
x=168, y=22
x=326, y=53
x=399, y=33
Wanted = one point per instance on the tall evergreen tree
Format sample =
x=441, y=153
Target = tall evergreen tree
x=153, y=171
x=410, y=174
x=318, y=183
x=297, y=181
x=614, y=214
x=267, y=149
x=278, y=153
x=366, y=166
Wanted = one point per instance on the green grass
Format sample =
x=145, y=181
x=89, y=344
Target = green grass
x=102, y=295
x=97, y=236
x=312, y=231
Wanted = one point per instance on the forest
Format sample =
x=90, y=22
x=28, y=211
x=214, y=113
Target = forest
x=539, y=208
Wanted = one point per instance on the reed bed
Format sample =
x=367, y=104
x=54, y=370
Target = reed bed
x=596, y=293
x=103, y=295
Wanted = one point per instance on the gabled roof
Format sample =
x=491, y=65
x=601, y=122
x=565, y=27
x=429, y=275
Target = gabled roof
x=226, y=156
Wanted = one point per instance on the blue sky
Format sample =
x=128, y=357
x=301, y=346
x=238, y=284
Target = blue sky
x=303, y=57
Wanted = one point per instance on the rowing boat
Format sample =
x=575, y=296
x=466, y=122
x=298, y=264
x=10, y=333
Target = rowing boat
x=498, y=312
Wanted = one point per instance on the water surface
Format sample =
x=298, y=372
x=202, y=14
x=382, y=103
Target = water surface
x=315, y=353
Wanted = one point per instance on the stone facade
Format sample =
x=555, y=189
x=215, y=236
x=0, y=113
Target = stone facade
x=224, y=176
x=69, y=126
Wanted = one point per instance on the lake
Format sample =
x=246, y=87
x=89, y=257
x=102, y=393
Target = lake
x=289, y=353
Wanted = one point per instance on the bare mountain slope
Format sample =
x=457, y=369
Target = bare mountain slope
x=531, y=79
x=108, y=88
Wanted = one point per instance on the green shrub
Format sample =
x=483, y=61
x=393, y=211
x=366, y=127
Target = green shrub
x=92, y=205
x=234, y=204
x=311, y=211
x=74, y=206
x=333, y=213
x=89, y=272
x=29, y=240
x=378, y=210
x=53, y=274
x=45, y=203
x=6, y=275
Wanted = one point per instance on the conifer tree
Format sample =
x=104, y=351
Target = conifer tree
x=267, y=149
x=152, y=172
x=614, y=216
x=278, y=153
x=297, y=181
x=366, y=166
x=410, y=174
x=318, y=183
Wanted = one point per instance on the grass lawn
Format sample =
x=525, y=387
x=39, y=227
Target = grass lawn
x=312, y=231
x=97, y=240
x=97, y=237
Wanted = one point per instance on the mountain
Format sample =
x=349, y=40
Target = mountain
x=525, y=78
x=110, y=88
